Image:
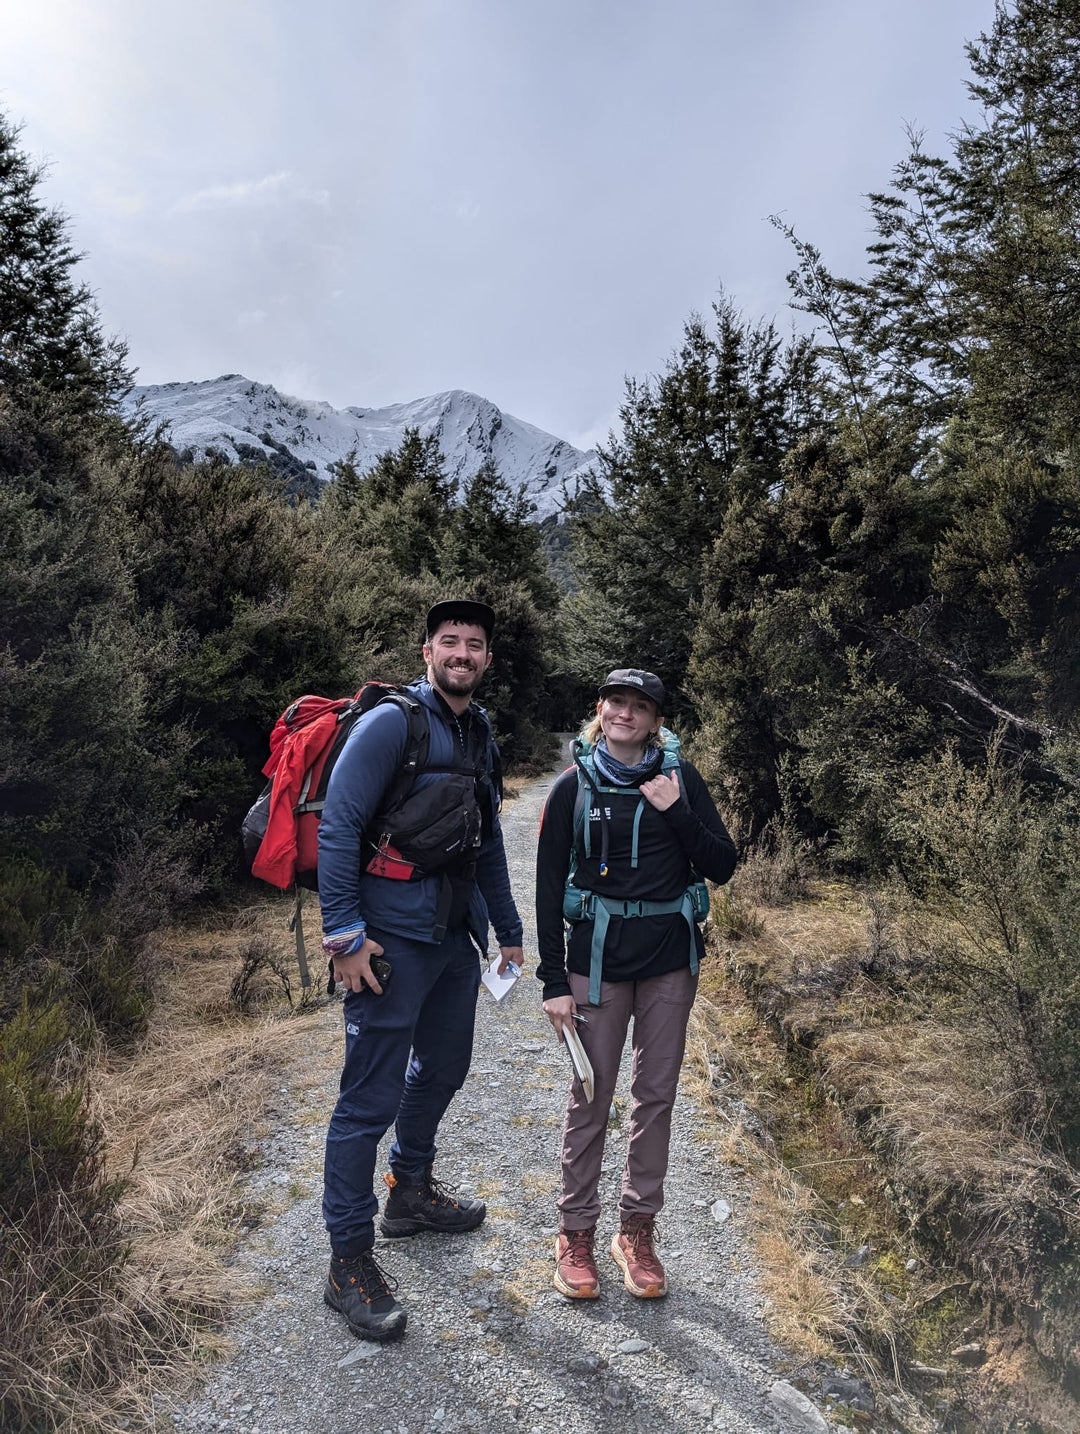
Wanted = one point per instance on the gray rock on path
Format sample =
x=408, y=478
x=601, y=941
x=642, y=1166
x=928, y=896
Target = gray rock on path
x=796, y=1412
x=490, y=1346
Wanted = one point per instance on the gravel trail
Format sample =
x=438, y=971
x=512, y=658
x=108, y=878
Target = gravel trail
x=490, y=1345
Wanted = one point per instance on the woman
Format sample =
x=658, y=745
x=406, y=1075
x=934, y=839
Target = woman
x=626, y=836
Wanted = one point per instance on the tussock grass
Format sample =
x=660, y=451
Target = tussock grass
x=98, y=1320
x=874, y=1108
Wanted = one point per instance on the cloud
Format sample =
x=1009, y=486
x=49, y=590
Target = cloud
x=272, y=189
x=598, y=432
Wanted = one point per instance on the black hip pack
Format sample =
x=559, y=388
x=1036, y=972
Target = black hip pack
x=437, y=826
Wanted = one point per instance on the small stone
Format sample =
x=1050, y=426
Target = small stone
x=793, y=1406
x=720, y=1210
x=969, y=1355
x=365, y=1350
x=856, y=1393
x=586, y=1364
x=911, y=1266
x=534, y=1048
x=633, y=1346
x=857, y=1257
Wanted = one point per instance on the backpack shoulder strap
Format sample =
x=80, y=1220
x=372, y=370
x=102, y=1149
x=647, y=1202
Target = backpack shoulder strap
x=417, y=743
x=587, y=786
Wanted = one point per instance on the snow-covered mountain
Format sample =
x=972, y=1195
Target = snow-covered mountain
x=243, y=419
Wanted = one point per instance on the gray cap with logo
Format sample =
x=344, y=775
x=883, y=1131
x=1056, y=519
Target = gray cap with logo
x=647, y=682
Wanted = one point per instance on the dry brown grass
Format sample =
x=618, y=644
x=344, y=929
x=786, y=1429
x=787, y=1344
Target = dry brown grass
x=870, y=1113
x=179, y=1118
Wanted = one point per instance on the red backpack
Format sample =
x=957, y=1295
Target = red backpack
x=281, y=831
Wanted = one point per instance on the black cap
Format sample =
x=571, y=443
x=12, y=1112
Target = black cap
x=647, y=682
x=460, y=610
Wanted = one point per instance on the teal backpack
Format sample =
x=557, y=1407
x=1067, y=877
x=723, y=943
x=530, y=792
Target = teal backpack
x=583, y=905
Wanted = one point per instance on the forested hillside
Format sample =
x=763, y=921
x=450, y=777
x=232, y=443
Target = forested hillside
x=853, y=556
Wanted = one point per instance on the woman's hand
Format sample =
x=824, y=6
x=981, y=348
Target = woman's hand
x=662, y=792
x=560, y=1011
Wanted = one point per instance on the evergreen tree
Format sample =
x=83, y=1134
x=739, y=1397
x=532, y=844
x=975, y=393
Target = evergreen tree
x=972, y=304
x=72, y=744
x=914, y=576
x=51, y=344
x=400, y=506
x=492, y=534
x=494, y=552
x=711, y=430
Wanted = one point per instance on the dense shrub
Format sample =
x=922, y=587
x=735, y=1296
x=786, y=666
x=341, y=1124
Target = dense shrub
x=1002, y=863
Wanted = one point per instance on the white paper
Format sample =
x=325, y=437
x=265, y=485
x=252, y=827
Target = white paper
x=500, y=986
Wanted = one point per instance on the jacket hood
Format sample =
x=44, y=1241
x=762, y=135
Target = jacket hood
x=430, y=698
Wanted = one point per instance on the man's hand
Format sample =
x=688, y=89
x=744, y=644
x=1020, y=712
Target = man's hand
x=560, y=1011
x=508, y=954
x=354, y=971
x=661, y=792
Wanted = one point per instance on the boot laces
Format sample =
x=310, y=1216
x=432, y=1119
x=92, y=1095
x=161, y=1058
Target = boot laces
x=370, y=1277
x=438, y=1193
x=644, y=1238
x=579, y=1248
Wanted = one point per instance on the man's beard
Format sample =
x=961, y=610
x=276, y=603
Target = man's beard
x=459, y=681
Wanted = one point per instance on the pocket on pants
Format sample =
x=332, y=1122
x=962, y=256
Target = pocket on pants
x=674, y=988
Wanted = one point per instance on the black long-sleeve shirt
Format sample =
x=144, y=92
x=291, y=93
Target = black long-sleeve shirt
x=688, y=835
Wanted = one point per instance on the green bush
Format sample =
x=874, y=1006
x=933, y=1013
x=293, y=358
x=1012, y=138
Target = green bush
x=1001, y=862
x=62, y=1249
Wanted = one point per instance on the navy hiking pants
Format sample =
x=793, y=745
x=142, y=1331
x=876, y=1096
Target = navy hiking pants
x=407, y=1053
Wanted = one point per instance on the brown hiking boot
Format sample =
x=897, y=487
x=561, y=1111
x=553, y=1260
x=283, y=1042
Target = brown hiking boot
x=634, y=1250
x=576, y=1275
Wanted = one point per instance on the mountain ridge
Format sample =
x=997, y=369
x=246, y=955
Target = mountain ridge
x=245, y=419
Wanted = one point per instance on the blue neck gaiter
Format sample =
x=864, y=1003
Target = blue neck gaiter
x=618, y=773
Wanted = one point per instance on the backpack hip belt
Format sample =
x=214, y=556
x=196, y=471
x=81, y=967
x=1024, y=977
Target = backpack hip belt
x=579, y=905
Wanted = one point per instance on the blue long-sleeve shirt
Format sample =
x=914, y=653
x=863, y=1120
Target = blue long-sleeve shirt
x=368, y=763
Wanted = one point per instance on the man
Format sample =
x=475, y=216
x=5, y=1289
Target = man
x=408, y=1036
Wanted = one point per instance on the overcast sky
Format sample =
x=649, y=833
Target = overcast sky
x=367, y=201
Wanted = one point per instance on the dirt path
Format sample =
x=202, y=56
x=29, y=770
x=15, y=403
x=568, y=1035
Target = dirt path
x=490, y=1345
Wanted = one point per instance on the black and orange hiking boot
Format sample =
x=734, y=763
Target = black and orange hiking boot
x=634, y=1251
x=361, y=1290
x=427, y=1205
x=576, y=1275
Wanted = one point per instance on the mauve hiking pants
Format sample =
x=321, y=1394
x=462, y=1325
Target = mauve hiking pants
x=660, y=1008
x=407, y=1053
